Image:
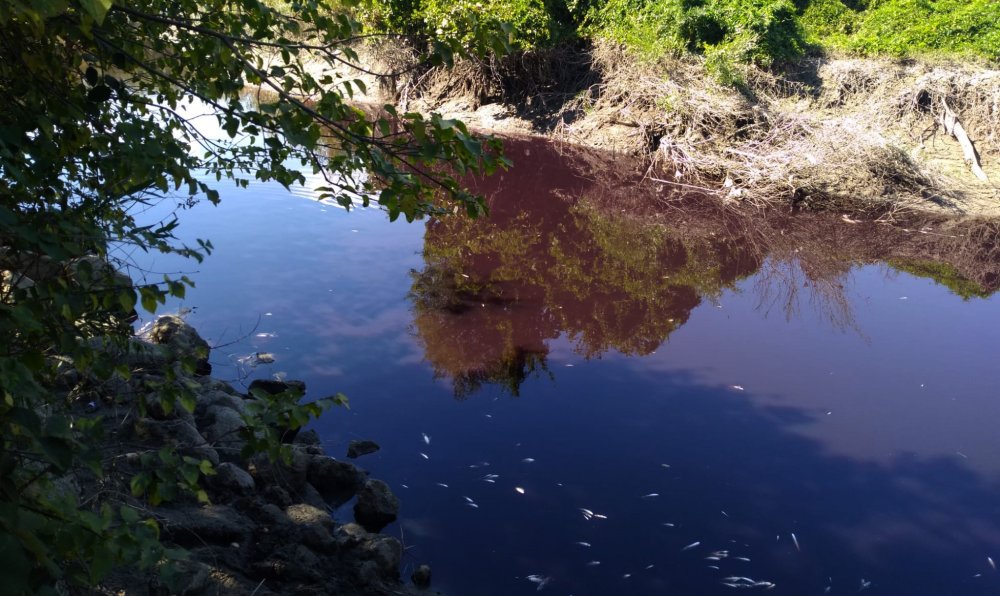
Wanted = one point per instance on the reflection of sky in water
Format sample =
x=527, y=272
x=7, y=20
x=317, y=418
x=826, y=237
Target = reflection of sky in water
x=898, y=484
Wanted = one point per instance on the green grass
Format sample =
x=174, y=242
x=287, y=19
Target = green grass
x=763, y=32
x=943, y=274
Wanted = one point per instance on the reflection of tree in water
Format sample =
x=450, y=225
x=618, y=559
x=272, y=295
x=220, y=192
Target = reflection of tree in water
x=575, y=247
x=493, y=292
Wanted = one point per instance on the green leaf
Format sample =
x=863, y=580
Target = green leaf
x=97, y=9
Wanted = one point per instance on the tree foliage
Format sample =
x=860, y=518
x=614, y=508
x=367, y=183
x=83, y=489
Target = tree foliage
x=96, y=125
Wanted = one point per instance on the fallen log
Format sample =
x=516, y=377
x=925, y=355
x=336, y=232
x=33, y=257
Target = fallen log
x=953, y=126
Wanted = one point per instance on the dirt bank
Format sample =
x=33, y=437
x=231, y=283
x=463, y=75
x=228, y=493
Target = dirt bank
x=860, y=136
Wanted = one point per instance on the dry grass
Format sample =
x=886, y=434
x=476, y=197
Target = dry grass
x=858, y=136
x=843, y=135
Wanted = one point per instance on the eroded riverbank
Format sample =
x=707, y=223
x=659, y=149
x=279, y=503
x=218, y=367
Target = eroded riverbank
x=857, y=136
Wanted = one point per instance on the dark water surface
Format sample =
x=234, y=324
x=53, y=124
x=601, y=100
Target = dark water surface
x=704, y=380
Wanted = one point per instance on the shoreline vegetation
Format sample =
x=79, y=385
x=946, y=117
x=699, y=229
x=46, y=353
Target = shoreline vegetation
x=113, y=448
x=867, y=108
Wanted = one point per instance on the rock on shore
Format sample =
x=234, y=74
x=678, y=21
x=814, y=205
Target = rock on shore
x=268, y=528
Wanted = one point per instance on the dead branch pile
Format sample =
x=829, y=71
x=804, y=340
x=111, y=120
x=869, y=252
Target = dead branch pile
x=839, y=134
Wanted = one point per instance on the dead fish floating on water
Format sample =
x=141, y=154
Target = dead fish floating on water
x=540, y=580
x=519, y=490
x=742, y=582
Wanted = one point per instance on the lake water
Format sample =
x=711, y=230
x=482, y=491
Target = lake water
x=792, y=396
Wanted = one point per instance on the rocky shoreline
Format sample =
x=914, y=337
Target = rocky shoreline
x=268, y=526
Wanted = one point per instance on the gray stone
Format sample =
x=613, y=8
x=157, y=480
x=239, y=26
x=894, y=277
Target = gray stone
x=213, y=384
x=222, y=427
x=277, y=495
x=376, y=506
x=358, y=448
x=193, y=578
x=163, y=409
x=308, y=437
x=232, y=478
x=310, y=496
x=179, y=433
x=273, y=515
x=385, y=551
x=303, y=514
x=145, y=356
x=292, y=475
x=176, y=333
x=212, y=524
x=94, y=273
x=337, y=481
x=208, y=398
x=350, y=534
x=317, y=538
x=422, y=577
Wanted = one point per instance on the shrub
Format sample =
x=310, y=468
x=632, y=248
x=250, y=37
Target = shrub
x=758, y=31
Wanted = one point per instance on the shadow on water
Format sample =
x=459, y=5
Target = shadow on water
x=575, y=245
x=738, y=482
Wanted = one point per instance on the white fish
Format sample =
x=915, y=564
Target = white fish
x=600, y=516
x=724, y=513
x=865, y=584
x=737, y=387
x=442, y=484
x=796, y=541
x=692, y=545
x=650, y=496
x=404, y=486
x=425, y=456
x=427, y=439
x=519, y=489
x=712, y=558
x=587, y=544
x=593, y=564
x=528, y=460
x=626, y=576
x=716, y=567
x=538, y=579
x=744, y=559
x=992, y=564
x=669, y=525
x=648, y=567
x=587, y=513
x=473, y=505
x=468, y=499
x=490, y=480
